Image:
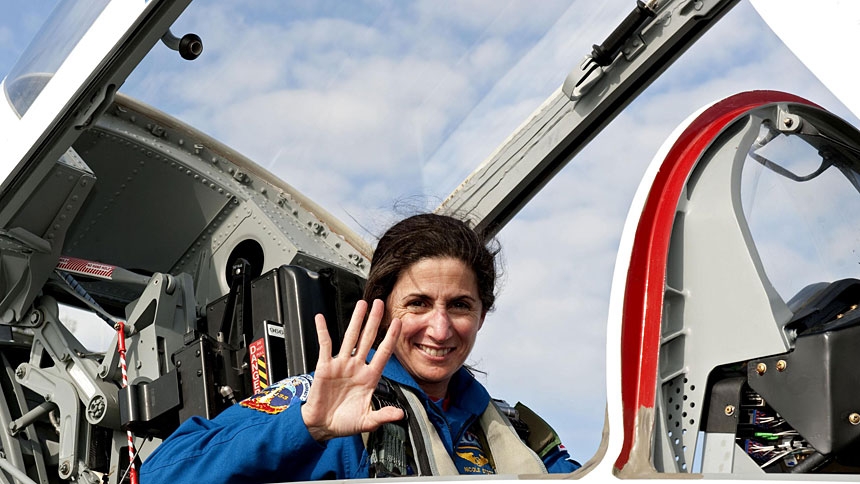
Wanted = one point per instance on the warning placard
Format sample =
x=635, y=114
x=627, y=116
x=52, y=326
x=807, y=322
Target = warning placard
x=259, y=368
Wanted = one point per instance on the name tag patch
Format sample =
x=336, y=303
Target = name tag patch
x=469, y=456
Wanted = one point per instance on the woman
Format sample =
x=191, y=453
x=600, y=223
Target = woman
x=432, y=281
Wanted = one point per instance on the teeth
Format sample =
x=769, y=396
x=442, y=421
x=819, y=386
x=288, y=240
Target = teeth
x=435, y=352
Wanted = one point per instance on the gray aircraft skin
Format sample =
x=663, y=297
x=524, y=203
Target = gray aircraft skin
x=112, y=206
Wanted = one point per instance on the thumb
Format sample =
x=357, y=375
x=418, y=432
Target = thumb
x=385, y=415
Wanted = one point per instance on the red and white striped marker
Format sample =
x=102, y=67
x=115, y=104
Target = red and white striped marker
x=98, y=270
x=120, y=338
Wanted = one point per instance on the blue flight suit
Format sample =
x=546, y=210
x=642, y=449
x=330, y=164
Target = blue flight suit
x=264, y=439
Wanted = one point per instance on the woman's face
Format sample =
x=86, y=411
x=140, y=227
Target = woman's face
x=437, y=300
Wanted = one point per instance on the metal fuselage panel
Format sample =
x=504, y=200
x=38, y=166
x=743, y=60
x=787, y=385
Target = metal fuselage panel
x=170, y=199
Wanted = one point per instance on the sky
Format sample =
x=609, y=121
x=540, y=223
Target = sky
x=378, y=109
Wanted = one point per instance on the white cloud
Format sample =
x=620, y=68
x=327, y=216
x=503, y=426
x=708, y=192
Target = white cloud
x=6, y=36
x=507, y=18
x=490, y=55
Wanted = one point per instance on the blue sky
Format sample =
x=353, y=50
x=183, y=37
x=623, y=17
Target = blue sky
x=376, y=109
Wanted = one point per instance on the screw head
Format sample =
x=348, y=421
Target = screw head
x=761, y=368
x=781, y=365
x=730, y=410
x=788, y=122
x=854, y=418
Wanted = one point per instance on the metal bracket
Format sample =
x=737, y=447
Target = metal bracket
x=61, y=392
x=577, y=85
x=158, y=322
x=144, y=405
x=29, y=441
x=51, y=337
x=787, y=122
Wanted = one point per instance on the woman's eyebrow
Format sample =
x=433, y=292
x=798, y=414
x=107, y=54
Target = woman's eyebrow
x=426, y=296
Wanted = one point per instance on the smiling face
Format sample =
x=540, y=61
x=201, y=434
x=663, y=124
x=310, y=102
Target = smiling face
x=437, y=300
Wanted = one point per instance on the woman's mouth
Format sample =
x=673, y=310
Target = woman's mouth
x=436, y=352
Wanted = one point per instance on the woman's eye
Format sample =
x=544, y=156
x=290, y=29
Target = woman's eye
x=461, y=305
x=416, y=304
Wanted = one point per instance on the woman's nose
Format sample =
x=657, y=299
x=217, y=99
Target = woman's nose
x=440, y=327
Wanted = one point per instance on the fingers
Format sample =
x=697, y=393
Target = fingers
x=368, y=334
x=386, y=348
x=350, y=337
x=357, y=341
x=323, y=337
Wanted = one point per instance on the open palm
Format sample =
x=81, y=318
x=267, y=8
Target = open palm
x=339, y=400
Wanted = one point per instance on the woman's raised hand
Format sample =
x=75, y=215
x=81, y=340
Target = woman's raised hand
x=339, y=400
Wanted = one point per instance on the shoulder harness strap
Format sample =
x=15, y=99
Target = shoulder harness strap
x=511, y=453
x=390, y=447
x=531, y=428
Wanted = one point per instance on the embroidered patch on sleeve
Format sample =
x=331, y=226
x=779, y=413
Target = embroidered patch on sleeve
x=278, y=397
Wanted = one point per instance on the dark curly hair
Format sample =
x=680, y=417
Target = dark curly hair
x=426, y=236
